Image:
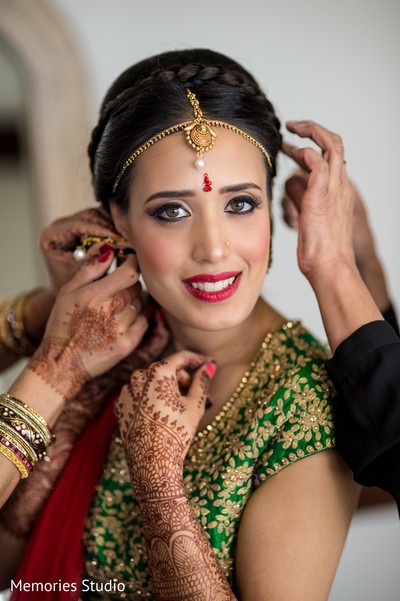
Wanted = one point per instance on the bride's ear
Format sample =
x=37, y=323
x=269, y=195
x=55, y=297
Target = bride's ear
x=120, y=220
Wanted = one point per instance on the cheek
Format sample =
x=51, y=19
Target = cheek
x=158, y=255
x=255, y=246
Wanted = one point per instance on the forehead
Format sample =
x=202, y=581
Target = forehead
x=170, y=163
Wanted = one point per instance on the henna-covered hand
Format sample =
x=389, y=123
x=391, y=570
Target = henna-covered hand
x=94, y=324
x=157, y=422
x=22, y=509
x=59, y=239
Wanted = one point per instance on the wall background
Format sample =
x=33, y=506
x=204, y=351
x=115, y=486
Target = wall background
x=335, y=62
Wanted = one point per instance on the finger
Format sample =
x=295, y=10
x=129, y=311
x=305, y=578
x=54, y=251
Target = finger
x=136, y=332
x=330, y=143
x=91, y=272
x=296, y=184
x=127, y=316
x=290, y=212
x=201, y=382
x=125, y=276
x=310, y=160
x=157, y=341
x=184, y=360
x=184, y=381
x=64, y=237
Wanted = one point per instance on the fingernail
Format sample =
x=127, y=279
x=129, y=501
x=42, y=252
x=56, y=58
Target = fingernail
x=211, y=369
x=104, y=247
x=106, y=255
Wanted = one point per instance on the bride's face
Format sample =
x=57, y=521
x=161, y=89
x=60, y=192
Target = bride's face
x=203, y=254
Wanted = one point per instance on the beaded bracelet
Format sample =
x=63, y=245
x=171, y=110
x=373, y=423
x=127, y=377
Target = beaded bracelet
x=15, y=459
x=18, y=441
x=17, y=452
x=23, y=430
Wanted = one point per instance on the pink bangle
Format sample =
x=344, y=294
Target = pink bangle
x=17, y=452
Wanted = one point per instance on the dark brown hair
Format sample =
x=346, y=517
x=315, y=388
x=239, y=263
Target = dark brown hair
x=151, y=96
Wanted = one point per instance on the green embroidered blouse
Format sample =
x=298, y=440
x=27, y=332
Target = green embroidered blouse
x=280, y=413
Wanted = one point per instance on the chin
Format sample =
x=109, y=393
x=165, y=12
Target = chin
x=225, y=320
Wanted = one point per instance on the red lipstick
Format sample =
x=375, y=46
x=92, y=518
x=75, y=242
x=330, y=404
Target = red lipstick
x=213, y=288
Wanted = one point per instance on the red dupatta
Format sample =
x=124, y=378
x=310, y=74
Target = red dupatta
x=54, y=554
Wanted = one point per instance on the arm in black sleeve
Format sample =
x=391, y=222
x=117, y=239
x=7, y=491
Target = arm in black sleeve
x=366, y=372
x=389, y=315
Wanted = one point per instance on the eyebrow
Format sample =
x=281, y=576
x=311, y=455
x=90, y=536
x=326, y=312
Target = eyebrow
x=190, y=193
x=239, y=188
x=170, y=194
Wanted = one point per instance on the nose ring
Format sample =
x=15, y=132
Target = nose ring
x=227, y=244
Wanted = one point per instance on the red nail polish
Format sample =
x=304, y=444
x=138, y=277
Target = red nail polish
x=211, y=369
x=104, y=247
x=103, y=258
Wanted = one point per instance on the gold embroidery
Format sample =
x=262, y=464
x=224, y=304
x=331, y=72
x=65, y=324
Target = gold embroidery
x=279, y=414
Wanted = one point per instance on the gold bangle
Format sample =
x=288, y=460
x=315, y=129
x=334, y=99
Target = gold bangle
x=23, y=470
x=30, y=414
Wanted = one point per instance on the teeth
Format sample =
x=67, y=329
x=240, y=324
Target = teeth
x=213, y=286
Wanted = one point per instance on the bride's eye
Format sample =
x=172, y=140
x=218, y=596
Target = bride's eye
x=242, y=205
x=170, y=212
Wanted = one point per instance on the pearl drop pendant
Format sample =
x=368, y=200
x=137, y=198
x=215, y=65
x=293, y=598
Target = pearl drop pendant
x=199, y=164
x=79, y=254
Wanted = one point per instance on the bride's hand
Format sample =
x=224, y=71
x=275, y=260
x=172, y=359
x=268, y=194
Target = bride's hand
x=158, y=420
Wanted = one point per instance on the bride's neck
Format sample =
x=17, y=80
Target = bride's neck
x=231, y=346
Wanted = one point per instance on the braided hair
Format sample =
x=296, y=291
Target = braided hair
x=150, y=96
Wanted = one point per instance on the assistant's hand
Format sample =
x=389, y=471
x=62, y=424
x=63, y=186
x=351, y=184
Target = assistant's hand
x=94, y=324
x=319, y=200
x=158, y=421
x=325, y=240
x=362, y=236
x=366, y=256
x=59, y=239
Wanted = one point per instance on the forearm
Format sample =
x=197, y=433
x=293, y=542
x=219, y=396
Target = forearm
x=37, y=312
x=345, y=302
x=37, y=398
x=373, y=276
x=181, y=559
x=31, y=325
x=9, y=478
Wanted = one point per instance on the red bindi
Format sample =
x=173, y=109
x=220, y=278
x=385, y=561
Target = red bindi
x=207, y=183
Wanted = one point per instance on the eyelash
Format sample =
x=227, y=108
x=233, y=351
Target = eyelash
x=254, y=203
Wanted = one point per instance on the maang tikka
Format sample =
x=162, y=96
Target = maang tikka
x=199, y=134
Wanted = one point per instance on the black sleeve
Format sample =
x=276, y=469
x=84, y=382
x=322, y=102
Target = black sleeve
x=390, y=316
x=365, y=370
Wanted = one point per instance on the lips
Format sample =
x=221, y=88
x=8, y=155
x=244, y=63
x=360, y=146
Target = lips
x=213, y=287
